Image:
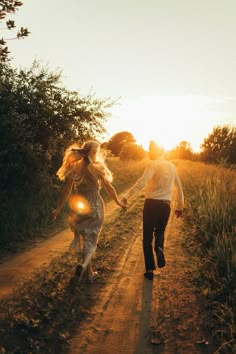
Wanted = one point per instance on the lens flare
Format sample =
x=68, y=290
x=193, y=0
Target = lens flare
x=79, y=204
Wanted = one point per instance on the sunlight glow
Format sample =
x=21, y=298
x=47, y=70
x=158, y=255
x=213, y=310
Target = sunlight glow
x=79, y=204
x=166, y=119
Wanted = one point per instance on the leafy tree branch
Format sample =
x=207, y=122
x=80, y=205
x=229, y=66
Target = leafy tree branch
x=8, y=8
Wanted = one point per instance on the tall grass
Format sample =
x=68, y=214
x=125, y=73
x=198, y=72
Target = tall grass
x=210, y=193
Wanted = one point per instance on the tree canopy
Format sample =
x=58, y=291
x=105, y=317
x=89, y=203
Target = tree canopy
x=132, y=151
x=182, y=151
x=39, y=118
x=117, y=141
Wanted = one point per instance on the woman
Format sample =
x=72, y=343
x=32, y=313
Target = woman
x=84, y=170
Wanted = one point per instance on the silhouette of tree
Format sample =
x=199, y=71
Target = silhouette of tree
x=117, y=141
x=220, y=145
x=182, y=151
x=7, y=8
x=132, y=151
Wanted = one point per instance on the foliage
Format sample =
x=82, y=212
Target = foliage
x=117, y=141
x=39, y=118
x=182, y=151
x=132, y=151
x=9, y=7
x=220, y=145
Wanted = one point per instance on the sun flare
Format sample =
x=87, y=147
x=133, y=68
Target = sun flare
x=79, y=204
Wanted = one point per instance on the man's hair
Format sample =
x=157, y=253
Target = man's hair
x=155, y=149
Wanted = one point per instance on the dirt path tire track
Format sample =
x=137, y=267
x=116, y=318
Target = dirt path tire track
x=133, y=312
x=116, y=323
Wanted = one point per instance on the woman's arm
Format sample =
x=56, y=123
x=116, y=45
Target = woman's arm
x=63, y=198
x=112, y=193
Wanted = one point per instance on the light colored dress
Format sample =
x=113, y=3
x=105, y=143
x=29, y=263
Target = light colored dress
x=86, y=212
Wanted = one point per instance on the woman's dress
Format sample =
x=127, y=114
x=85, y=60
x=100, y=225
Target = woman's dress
x=86, y=212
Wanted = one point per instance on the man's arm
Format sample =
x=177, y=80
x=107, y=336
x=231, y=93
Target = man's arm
x=180, y=197
x=140, y=183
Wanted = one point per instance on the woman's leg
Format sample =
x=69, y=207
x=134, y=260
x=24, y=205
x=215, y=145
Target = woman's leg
x=89, y=248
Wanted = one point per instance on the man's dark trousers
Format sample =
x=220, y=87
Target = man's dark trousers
x=155, y=218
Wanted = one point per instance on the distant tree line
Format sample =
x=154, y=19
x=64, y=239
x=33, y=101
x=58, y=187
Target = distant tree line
x=219, y=147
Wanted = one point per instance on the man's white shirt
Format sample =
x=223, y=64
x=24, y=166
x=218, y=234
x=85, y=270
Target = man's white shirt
x=160, y=178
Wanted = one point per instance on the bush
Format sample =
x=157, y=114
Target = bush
x=131, y=151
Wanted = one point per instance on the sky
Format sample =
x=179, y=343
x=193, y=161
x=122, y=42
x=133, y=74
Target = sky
x=170, y=65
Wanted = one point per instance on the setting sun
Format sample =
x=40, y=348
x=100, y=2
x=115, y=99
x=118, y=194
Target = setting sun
x=166, y=119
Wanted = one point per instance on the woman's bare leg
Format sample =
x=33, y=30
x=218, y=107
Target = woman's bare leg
x=87, y=263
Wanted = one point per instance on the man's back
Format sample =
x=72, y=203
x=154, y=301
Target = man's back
x=162, y=179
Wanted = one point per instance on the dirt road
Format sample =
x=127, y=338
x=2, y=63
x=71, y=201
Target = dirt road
x=135, y=315
x=15, y=269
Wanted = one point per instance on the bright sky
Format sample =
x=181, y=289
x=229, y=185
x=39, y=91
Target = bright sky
x=172, y=64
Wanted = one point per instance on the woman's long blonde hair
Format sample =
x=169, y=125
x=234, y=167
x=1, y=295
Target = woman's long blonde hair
x=89, y=155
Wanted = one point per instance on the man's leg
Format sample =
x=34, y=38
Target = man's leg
x=148, y=236
x=162, y=217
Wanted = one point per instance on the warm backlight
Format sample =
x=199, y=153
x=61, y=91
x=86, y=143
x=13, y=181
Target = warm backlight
x=166, y=119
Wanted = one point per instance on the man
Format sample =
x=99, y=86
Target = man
x=159, y=178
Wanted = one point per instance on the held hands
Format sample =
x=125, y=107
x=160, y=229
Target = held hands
x=124, y=203
x=178, y=213
x=54, y=214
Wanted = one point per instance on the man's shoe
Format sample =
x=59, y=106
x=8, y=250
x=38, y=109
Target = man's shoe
x=78, y=270
x=160, y=258
x=148, y=275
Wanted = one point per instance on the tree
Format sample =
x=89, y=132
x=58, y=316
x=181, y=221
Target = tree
x=9, y=7
x=220, y=145
x=39, y=118
x=182, y=151
x=132, y=151
x=117, y=141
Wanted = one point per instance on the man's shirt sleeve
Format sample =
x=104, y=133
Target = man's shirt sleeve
x=180, y=195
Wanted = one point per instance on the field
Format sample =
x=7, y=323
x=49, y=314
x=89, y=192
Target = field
x=211, y=217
